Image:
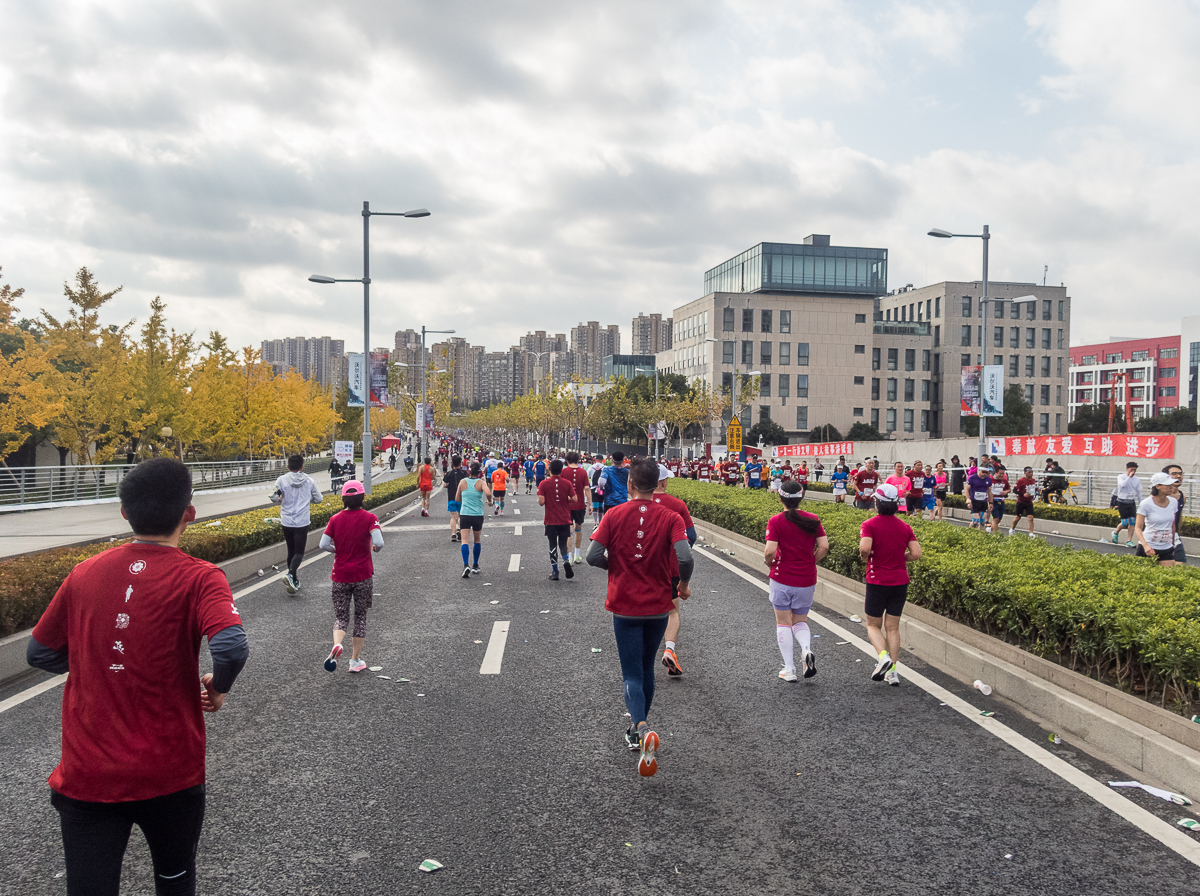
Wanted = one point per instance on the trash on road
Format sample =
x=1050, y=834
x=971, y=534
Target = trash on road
x=1008, y=855
x=856, y=618
x=403, y=679
x=858, y=661
x=262, y=572
x=543, y=611
x=430, y=865
x=1054, y=739
x=985, y=689
x=987, y=715
x=493, y=601
x=276, y=568
x=1190, y=823
x=478, y=642
x=1196, y=719
x=840, y=643
x=420, y=695
x=375, y=668
x=384, y=677
x=596, y=649
x=1176, y=798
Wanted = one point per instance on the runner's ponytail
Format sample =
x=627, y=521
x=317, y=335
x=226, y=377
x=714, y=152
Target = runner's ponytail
x=790, y=495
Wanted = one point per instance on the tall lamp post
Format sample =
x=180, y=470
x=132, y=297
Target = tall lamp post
x=422, y=438
x=365, y=280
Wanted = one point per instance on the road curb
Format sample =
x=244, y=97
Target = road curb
x=239, y=569
x=1162, y=745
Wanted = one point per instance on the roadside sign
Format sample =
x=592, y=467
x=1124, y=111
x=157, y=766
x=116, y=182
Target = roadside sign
x=733, y=438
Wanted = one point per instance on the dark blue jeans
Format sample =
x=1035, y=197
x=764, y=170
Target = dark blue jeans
x=638, y=638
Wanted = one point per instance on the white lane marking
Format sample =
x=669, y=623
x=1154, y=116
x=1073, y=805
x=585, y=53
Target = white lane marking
x=1147, y=822
x=516, y=511
x=517, y=530
x=30, y=693
x=514, y=563
x=495, y=649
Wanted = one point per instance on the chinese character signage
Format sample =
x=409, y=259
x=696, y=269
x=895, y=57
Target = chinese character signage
x=1147, y=445
x=419, y=416
x=343, y=452
x=970, y=392
x=820, y=449
x=733, y=439
x=991, y=391
x=357, y=381
x=379, y=379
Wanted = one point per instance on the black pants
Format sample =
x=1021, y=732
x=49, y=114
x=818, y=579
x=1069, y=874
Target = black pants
x=296, y=538
x=559, y=538
x=95, y=836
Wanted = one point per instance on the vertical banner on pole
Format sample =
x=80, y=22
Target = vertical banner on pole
x=357, y=381
x=379, y=380
x=970, y=392
x=419, y=419
x=991, y=391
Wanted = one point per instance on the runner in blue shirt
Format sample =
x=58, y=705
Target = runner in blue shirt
x=754, y=474
x=614, y=482
x=839, y=480
x=539, y=469
x=529, y=475
x=979, y=486
x=928, y=498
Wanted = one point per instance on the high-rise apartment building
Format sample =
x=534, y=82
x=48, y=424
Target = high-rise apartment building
x=316, y=359
x=460, y=357
x=651, y=335
x=494, y=377
x=590, y=344
x=537, y=359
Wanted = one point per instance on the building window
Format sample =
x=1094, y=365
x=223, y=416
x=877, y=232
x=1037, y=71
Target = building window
x=966, y=306
x=747, y=352
x=998, y=337
x=979, y=340
x=727, y=351
x=726, y=382
x=893, y=361
x=1044, y=419
x=910, y=359
x=1029, y=361
x=1060, y=338
x=891, y=419
x=1169, y=353
x=1140, y=356
x=860, y=381
x=935, y=392
x=764, y=385
x=966, y=360
x=860, y=319
x=764, y=413
x=802, y=418
x=1045, y=365
x=925, y=421
x=1138, y=392
x=1045, y=309
x=858, y=412
x=802, y=385
x=1060, y=366
x=1112, y=358
x=1029, y=392
x=1014, y=366
x=1085, y=379
x=997, y=360
x=925, y=353
x=1166, y=391
x=1061, y=303
x=874, y=388
x=937, y=336
x=875, y=417
x=910, y=387
x=999, y=312
x=1030, y=310
x=1167, y=373
x=727, y=320
x=1058, y=422
x=1014, y=337
x=937, y=365
x=785, y=321
x=801, y=354
x=966, y=335
x=924, y=390
x=1045, y=338
x=1014, y=311
x=765, y=321
x=1058, y=394
x=1030, y=337
x=1087, y=360
x=860, y=349
x=785, y=353
x=785, y=385
x=747, y=320
x=1045, y=395
x=891, y=388
x=764, y=352
x=908, y=420
x=875, y=358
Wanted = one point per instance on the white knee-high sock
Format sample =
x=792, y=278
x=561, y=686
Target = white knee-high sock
x=803, y=635
x=783, y=634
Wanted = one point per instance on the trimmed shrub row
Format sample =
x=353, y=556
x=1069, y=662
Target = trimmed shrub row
x=28, y=582
x=1118, y=618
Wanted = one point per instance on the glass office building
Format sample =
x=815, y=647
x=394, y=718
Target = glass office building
x=812, y=267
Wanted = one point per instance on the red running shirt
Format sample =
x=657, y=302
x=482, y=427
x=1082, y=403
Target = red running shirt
x=865, y=485
x=131, y=619
x=889, y=536
x=640, y=537
x=424, y=480
x=794, y=564
x=559, y=495
x=672, y=503
x=578, y=478
x=350, y=531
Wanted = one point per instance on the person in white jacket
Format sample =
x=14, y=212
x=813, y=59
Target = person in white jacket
x=295, y=491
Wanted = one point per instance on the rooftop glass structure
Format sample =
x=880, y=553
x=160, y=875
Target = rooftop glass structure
x=813, y=267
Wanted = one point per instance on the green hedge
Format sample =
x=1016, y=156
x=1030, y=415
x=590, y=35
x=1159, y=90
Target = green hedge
x=28, y=582
x=1116, y=617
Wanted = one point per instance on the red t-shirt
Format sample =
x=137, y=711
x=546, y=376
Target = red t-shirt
x=672, y=503
x=424, y=479
x=640, y=537
x=865, y=483
x=916, y=483
x=131, y=619
x=794, y=562
x=1026, y=490
x=578, y=479
x=350, y=531
x=802, y=476
x=559, y=495
x=704, y=472
x=890, y=537
x=999, y=484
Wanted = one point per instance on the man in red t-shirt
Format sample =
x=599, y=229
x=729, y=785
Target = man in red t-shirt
x=636, y=542
x=128, y=622
x=704, y=470
x=577, y=476
x=425, y=485
x=1025, y=491
x=866, y=481
x=669, y=658
x=556, y=495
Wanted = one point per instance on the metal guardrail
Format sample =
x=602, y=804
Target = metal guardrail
x=31, y=488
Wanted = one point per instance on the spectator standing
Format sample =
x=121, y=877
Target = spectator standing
x=958, y=476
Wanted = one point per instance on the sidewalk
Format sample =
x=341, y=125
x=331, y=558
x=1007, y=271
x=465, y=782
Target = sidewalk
x=23, y=533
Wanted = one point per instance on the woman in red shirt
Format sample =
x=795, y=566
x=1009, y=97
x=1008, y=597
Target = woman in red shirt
x=887, y=545
x=796, y=543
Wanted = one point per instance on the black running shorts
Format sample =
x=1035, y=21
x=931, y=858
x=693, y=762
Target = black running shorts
x=885, y=598
x=470, y=522
x=578, y=516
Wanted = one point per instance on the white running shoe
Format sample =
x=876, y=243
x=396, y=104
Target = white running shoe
x=881, y=668
x=358, y=665
x=787, y=674
x=892, y=678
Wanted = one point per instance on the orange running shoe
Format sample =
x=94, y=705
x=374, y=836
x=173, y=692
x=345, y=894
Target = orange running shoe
x=671, y=661
x=648, y=764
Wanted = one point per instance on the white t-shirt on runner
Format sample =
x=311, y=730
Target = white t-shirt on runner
x=1160, y=523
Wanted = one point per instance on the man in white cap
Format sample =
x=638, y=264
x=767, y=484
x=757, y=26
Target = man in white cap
x=669, y=658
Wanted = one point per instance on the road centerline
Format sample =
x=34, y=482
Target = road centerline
x=514, y=563
x=494, y=655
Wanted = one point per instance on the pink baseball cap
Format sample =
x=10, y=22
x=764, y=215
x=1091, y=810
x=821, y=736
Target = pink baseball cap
x=353, y=487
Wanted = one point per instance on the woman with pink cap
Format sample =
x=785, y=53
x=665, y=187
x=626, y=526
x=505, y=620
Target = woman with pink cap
x=351, y=536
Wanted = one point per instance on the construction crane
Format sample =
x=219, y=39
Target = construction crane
x=1121, y=378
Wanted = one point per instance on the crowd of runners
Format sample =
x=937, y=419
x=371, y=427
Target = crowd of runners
x=149, y=599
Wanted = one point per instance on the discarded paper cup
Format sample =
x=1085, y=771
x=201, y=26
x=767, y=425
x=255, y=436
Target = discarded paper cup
x=984, y=689
x=430, y=865
x=856, y=618
x=1054, y=739
x=1190, y=823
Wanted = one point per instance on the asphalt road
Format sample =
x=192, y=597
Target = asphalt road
x=520, y=782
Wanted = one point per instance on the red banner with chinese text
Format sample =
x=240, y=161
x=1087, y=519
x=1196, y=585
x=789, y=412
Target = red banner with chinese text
x=1148, y=445
x=819, y=449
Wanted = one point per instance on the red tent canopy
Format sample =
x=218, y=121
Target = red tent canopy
x=389, y=442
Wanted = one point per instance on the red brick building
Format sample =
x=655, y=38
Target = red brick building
x=1152, y=365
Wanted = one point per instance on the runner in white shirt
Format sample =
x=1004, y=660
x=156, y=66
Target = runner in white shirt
x=1156, y=521
x=1129, y=497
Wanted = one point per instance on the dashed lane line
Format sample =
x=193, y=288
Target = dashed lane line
x=514, y=563
x=495, y=649
x=1162, y=831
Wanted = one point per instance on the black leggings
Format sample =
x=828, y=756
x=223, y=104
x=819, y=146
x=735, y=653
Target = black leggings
x=559, y=538
x=95, y=836
x=296, y=538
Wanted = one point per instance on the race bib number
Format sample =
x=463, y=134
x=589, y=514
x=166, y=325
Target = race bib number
x=868, y=491
x=928, y=491
x=980, y=496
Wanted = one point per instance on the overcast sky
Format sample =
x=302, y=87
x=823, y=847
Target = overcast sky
x=589, y=161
